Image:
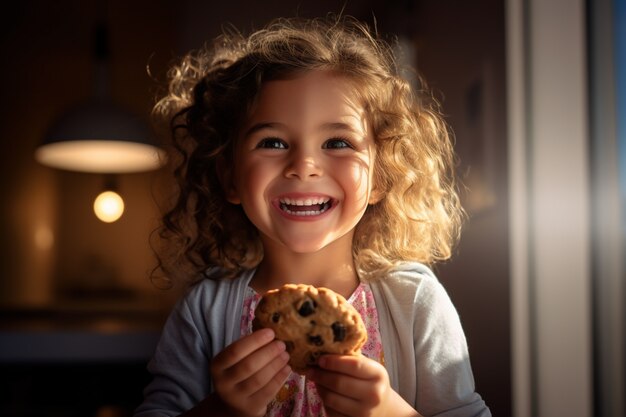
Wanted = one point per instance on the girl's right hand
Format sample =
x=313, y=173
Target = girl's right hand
x=249, y=373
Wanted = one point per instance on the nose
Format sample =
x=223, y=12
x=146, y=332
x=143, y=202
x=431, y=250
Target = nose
x=303, y=165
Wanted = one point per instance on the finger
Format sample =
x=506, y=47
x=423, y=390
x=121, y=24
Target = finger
x=253, y=365
x=243, y=347
x=356, y=366
x=269, y=390
x=353, y=377
x=341, y=384
x=260, y=396
x=337, y=405
x=258, y=379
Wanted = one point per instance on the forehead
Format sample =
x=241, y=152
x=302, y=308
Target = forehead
x=315, y=97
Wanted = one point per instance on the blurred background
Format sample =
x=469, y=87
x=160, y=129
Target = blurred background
x=79, y=315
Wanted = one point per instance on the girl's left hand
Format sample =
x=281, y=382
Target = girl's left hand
x=357, y=386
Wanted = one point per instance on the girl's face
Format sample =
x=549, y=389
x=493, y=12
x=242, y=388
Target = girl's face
x=303, y=162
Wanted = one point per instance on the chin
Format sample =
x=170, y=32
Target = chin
x=305, y=249
x=312, y=246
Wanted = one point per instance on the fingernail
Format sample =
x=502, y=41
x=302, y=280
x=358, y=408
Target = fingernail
x=267, y=334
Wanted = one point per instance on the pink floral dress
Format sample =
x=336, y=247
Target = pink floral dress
x=298, y=397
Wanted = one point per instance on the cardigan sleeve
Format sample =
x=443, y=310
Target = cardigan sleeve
x=180, y=365
x=425, y=347
x=200, y=326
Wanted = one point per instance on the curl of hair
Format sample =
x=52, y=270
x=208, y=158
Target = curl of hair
x=418, y=216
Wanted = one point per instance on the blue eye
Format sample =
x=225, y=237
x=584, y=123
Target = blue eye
x=271, y=143
x=336, y=143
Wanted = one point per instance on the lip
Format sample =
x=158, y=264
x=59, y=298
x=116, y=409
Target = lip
x=300, y=201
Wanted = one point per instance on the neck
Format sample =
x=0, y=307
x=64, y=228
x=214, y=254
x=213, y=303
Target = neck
x=331, y=267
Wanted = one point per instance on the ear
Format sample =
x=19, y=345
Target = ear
x=375, y=196
x=377, y=192
x=225, y=176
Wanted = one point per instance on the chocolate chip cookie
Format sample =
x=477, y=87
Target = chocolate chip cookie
x=312, y=322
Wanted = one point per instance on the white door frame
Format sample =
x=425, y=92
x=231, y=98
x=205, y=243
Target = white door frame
x=550, y=208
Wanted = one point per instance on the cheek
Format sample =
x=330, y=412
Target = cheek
x=253, y=180
x=359, y=180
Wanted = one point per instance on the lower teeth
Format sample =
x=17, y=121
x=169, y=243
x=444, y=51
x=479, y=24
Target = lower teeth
x=303, y=213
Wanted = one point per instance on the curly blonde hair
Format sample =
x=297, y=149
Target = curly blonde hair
x=210, y=93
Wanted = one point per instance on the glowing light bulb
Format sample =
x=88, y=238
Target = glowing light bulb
x=108, y=206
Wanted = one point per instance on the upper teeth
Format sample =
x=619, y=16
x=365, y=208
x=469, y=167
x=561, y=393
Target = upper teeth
x=305, y=202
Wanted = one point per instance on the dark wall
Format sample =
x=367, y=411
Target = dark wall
x=461, y=52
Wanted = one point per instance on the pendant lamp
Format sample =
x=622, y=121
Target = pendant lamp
x=99, y=136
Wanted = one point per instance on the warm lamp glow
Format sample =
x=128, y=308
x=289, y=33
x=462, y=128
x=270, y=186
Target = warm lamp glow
x=108, y=206
x=44, y=238
x=101, y=156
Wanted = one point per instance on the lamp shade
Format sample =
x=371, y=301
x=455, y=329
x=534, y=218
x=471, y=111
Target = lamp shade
x=100, y=137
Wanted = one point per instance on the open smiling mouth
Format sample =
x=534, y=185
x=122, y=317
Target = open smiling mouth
x=306, y=207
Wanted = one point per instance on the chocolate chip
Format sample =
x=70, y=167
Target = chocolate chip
x=339, y=332
x=289, y=346
x=275, y=317
x=316, y=340
x=307, y=308
x=312, y=357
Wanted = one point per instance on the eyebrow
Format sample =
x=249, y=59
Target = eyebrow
x=275, y=125
x=339, y=126
x=260, y=126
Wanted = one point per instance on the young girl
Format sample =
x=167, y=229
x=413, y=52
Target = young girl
x=303, y=157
